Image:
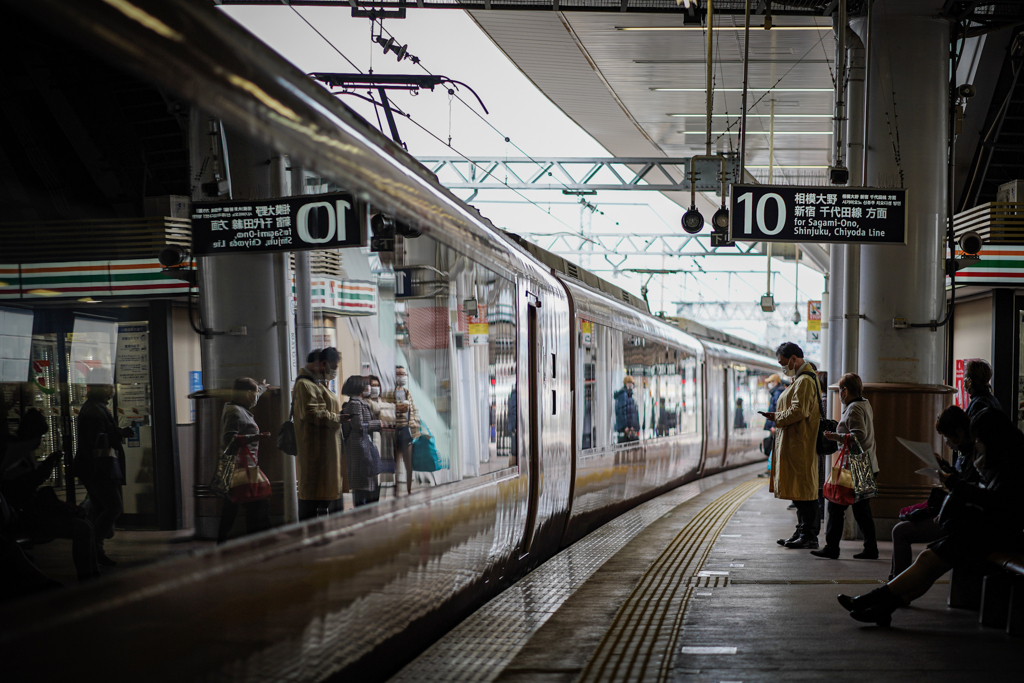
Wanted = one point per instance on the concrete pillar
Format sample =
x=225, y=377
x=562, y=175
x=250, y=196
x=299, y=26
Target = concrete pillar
x=907, y=78
x=237, y=304
x=908, y=94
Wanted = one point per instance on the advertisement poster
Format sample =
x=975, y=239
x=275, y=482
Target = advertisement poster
x=132, y=359
x=478, y=327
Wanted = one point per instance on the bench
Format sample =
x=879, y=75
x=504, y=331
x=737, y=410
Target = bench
x=1002, y=593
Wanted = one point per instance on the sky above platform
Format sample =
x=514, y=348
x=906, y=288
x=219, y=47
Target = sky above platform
x=450, y=43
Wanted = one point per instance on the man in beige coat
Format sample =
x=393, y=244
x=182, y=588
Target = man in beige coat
x=317, y=418
x=795, y=456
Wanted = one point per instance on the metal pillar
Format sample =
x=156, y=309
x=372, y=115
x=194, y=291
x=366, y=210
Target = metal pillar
x=836, y=305
x=907, y=95
x=280, y=186
x=303, y=293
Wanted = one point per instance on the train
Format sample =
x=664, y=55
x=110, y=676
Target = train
x=359, y=593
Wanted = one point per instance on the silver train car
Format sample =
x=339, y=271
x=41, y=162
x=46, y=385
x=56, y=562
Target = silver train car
x=360, y=593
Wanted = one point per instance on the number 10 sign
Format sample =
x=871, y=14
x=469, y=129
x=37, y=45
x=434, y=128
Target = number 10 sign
x=781, y=213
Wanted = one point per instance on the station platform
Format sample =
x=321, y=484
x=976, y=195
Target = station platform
x=692, y=586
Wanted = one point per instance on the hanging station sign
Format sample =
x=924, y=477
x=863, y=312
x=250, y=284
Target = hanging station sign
x=778, y=213
x=322, y=221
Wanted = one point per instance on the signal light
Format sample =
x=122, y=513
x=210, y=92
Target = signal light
x=693, y=222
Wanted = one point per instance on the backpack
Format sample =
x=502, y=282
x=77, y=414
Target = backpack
x=823, y=446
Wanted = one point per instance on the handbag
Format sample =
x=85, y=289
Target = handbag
x=224, y=473
x=860, y=469
x=424, y=453
x=248, y=483
x=839, y=488
x=767, y=444
x=823, y=446
x=286, y=441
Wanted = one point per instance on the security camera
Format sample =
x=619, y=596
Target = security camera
x=796, y=317
x=172, y=256
x=971, y=243
x=966, y=90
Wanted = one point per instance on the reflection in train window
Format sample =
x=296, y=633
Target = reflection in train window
x=633, y=388
x=451, y=324
x=747, y=395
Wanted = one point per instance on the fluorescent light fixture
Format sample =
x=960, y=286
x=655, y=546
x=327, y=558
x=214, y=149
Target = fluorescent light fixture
x=778, y=166
x=755, y=116
x=721, y=28
x=757, y=132
x=828, y=90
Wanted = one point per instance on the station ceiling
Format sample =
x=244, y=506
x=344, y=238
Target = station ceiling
x=636, y=82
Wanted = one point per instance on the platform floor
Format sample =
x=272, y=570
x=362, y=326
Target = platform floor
x=692, y=586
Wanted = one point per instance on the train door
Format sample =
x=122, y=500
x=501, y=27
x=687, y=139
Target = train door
x=726, y=411
x=535, y=387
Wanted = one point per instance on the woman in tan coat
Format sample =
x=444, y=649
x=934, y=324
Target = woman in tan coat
x=795, y=456
x=318, y=464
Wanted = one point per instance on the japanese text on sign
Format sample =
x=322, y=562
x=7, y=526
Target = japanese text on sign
x=772, y=213
x=326, y=221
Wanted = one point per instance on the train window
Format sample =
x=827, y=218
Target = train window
x=633, y=388
x=439, y=332
x=601, y=404
x=747, y=396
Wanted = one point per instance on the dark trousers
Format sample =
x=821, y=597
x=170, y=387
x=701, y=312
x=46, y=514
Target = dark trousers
x=309, y=509
x=837, y=517
x=360, y=497
x=807, y=521
x=904, y=535
x=257, y=518
x=106, y=506
x=80, y=531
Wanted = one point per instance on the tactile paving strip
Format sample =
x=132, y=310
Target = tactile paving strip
x=639, y=644
x=483, y=645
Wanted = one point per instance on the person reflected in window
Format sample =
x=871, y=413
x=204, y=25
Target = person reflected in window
x=238, y=428
x=385, y=412
x=318, y=464
x=738, y=419
x=100, y=461
x=627, y=417
x=977, y=375
x=407, y=423
x=362, y=460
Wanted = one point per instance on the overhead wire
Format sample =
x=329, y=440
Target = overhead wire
x=377, y=105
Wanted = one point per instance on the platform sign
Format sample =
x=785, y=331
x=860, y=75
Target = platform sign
x=323, y=221
x=779, y=213
x=814, y=316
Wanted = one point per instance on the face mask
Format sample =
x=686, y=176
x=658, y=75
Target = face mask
x=366, y=392
x=374, y=392
x=331, y=374
x=790, y=372
x=401, y=380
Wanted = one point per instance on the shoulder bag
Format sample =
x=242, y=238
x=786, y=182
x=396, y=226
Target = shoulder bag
x=823, y=446
x=286, y=442
x=424, y=452
x=248, y=483
x=839, y=487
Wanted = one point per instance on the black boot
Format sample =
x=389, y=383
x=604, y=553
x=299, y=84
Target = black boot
x=784, y=541
x=874, y=607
